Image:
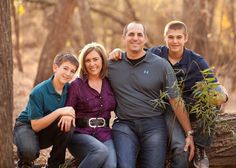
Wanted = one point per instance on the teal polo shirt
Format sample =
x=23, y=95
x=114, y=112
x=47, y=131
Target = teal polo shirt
x=42, y=101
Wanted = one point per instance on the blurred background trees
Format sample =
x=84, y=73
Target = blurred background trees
x=49, y=26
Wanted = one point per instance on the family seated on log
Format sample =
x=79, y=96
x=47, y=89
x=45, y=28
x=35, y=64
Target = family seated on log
x=157, y=94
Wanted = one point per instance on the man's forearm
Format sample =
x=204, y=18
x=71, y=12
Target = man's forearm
x=179, y=109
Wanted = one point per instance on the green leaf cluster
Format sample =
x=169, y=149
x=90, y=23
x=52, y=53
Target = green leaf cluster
x=205, y=110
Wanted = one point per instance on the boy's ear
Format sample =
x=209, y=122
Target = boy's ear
x=55, y=67
x=186, y=38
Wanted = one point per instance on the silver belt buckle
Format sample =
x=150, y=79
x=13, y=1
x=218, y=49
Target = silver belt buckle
x=90, y=125
x=104, y=122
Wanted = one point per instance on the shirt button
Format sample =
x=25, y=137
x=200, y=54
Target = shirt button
x=101, y=105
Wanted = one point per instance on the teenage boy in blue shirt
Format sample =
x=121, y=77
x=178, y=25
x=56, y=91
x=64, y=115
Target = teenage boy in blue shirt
x=45, y=121
x=187, y=66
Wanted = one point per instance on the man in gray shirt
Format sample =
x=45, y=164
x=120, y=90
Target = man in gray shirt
x=137, y=79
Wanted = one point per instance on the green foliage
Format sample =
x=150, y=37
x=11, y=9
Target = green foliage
x=160, y=102
x=205, y=108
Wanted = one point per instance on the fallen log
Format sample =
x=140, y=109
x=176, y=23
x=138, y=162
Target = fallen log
x=222, y=154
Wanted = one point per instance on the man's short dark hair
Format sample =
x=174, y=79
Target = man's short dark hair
x=134, y=22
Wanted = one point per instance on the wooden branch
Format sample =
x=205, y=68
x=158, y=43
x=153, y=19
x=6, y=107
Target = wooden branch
x=115, y=18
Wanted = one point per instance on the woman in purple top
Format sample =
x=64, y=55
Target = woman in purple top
x=93, y=100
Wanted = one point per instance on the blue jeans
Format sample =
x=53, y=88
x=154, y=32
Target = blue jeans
x=29, y=143
x=92, y=152
x=176, y=141
x=145, y=137
x=200, y=139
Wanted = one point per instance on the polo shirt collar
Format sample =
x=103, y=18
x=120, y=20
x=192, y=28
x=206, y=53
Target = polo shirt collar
x=147, y=58
x=51, y=88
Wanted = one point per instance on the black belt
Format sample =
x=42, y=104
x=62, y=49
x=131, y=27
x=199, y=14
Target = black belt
x=92, y=122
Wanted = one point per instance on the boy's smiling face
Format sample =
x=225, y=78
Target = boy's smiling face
x=64, y=73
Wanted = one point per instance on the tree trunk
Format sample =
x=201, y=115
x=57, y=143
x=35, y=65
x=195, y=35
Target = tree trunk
x=56, y=38
x=6, y=86
x=86, y=21
x=198, y=27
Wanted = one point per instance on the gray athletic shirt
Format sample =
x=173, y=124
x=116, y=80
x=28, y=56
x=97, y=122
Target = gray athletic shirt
x=136, y=85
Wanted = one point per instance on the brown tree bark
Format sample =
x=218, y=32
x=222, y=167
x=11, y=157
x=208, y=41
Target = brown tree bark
x=199, y=24
x=56, y=38
x=6, y=86
x=222, y=154
x=86, y=21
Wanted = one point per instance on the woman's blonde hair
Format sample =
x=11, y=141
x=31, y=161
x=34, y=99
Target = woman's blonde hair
x=85, y=51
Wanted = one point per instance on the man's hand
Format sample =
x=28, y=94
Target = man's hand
x=189, y=145
x=115, y=54
x=66, y=122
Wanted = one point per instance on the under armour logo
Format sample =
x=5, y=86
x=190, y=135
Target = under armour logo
x=146, y=71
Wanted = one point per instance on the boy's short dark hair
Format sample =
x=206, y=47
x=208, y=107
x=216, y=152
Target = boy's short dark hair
x=66, y=57
x=176, y=25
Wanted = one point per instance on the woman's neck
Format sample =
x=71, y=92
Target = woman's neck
x=95, y=83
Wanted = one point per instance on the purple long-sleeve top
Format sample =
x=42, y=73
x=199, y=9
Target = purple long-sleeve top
x=88, y=103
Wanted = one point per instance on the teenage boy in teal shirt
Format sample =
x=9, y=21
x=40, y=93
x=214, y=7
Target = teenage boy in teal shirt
x=45, y=121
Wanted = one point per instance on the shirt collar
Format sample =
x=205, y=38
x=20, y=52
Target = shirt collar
x=184, y=59
x=51, y=88
x=148, y=57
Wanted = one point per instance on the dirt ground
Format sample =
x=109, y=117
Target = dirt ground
x=23, y=83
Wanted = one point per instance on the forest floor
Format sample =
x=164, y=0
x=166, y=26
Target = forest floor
x=23, y=83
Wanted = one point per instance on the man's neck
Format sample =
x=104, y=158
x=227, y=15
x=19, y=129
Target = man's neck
x=135, y=55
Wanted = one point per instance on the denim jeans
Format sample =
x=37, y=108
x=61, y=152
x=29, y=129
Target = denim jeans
x=29, y=143
x=145, y=137
x=176, y=141
x=92, y=152
x=200, y=139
